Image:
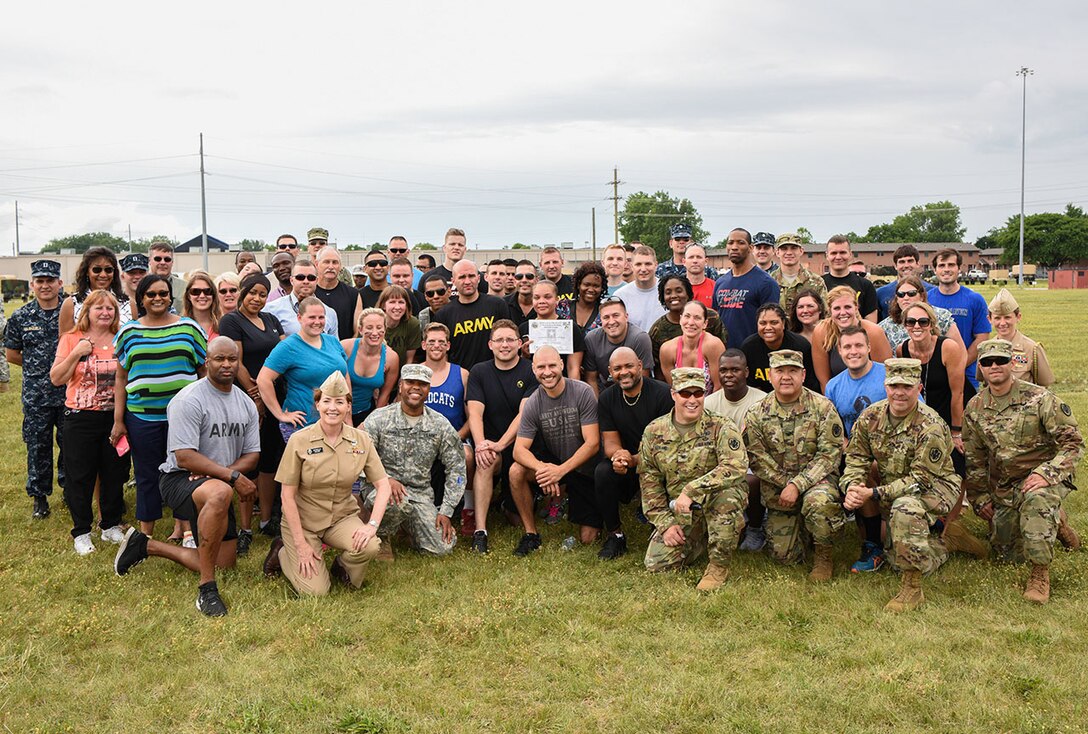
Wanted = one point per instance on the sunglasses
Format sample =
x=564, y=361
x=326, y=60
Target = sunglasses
x=991, y=361
x=98, y=269
x=163, y=259
x=524, y=276
x=300, y=277
x=688, y=394
x=201, y=291
x=924, y=321
x=152, y=295
x=319, y=242
x=434, y=293
x=378, y=264
x=286, y=246
x=227, y=291
x=906, y=294
x=398, y=250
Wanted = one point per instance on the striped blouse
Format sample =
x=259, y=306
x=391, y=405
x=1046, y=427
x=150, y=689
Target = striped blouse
x=160, y=360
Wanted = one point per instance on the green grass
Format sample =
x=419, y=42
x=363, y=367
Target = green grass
x=554, y=643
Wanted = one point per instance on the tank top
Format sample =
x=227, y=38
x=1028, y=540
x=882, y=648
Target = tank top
x=699, y=358
x=935, y=388
x=362, y=387
x=449, y=398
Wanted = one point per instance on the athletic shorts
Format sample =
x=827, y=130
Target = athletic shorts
x=177, y=490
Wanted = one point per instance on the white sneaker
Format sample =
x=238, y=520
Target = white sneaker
x=188, y=541
x=83, y=544
x=113, y=535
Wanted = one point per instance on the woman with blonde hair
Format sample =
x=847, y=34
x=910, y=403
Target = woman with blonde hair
x=842, y=308
x=201, y=303
x=373, y=366
x=228, y=285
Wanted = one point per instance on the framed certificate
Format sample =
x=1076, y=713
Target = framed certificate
x=558, y=333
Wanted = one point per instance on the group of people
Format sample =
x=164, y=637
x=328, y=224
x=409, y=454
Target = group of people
x=756, y=408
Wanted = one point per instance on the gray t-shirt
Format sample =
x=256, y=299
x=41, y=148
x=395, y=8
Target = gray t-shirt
x=599, y=350
x=558, y=421
x=643, y=308
x=221, y=426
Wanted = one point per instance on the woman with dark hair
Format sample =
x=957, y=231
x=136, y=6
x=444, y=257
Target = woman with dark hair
x=771, y=335
x=157, y=354
x=909, y=291
x=97, y=271
x=201, y=302
x=808, y=310
x=402, y=330
x=674, y=292
x=585, y=306
x=694, y=347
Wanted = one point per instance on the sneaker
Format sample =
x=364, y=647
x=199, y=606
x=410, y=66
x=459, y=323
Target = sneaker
x=555, y=513
x=41, y=508
x=83, y=544
x=272, y=528
x=614, y=547
x=468, y=523
x=245, y=539
x=479, y=541
x=188, y=541
x=754, y=539
x=113, y=535
x=528, y=543
x=871, y=559
x=208, y=601
x=132, y=551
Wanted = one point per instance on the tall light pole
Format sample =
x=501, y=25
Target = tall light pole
x=1024, y=72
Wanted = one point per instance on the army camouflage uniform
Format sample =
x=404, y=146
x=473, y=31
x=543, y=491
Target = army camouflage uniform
x=708, y=464
x=918, y=485
x=800, y=443
x=1029, y=430
x=805, y=279
x=408, y=450
x=5, y=371
x=32, y=330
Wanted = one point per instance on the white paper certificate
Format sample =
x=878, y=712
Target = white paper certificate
x=558, y=333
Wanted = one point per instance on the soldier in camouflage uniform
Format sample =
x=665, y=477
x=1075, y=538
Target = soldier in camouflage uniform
x=912, y=448
x=791, y=275
x=1022, y=447
x=697, y=460
x=794, y=440
x=31, y=341
x=5, y=372
x=409, y=438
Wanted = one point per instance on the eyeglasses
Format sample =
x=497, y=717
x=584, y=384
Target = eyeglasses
x=688, y=394
x=300, y=277
x=163, y=259
x=991, y=361
x=378, y=264
x=201, y=291
x=906, y=294
x=398, y=250
x=924, y=321
x=287, y=246
x=227, y=291
x=524, y=276
x=435, y=293
x=98, y=269
x=505, y=341
x=152, y=295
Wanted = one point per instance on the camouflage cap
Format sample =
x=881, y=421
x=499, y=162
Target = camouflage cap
x=687, y=378
x=999, y=348
x=135, y=261
x=335, y=386
x=789, y=239
x=763, y=238
x=677, y=231
x=902, y=371
x=416, y=372
x=787, y=358
x=317, y=233
x=1003, y=303
x=45, y=269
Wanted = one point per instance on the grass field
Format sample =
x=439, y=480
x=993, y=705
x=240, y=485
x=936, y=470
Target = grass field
x=557, y=642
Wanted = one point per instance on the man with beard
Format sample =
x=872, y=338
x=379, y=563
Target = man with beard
x=741, y=291
x=282, y=262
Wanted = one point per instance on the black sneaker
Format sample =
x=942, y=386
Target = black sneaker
x=208, y=601
x=479, y=541
x=272, y=529
x=133, y=550
x=245, y=539
x=528, y=543
x=41, y=507
x=614, y=547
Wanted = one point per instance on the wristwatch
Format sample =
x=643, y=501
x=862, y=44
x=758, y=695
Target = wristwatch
x=234, y=476
x=372, y=523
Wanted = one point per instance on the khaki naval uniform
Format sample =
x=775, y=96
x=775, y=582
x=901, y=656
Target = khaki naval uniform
x=324, y=474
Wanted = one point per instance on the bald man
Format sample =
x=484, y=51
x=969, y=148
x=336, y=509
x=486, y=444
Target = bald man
x=470, y=317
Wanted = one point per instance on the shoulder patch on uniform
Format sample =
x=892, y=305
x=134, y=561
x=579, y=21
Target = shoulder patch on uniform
x=935, y=455
x=836, y=430
x=734, y=444
x=316, y=450
x=1066, y=410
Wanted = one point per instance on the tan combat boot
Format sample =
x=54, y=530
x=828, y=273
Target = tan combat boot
x=1038, y=588
x=958, y=538
x=823, y=566
x=713, y=578
x=385, y=553
x=910, y=594
x=1067, y=536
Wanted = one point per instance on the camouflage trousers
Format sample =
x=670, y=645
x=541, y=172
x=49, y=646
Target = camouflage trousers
x=40, y=425
x=914, y=546
x=1026, y=529
x=712, y=531
x=819, y=516
x=418, y=514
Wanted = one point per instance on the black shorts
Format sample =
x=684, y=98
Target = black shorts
x=177, y=493
x=272, y=446
x=582, y=501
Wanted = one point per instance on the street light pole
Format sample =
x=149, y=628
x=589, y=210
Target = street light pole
x=1024, y=72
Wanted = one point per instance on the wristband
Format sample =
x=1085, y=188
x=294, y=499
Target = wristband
x=876, y=495
x=234, y=476
x=372, y=523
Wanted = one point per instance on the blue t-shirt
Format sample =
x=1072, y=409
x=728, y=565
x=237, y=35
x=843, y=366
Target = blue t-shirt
x=304, y=369
x=971, y=313
x=851, y=396
x=737, y=297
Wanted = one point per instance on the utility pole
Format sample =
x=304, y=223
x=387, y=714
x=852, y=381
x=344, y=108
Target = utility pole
x=593, y=225
x=616, y=205
x=130, y=236
x=18, y=251
x=1024, y=72
x=203, y=208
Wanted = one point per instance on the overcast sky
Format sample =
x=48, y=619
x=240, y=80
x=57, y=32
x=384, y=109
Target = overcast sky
x=506, y=119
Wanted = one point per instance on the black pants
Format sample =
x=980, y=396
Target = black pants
x=611, y=490
x=88, y=456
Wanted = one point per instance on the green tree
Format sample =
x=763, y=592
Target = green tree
x=1050, y=238
x=520, y=246
x=423, y=246
x=142, y=245
x=646, y=218
x=80, y=243
x=805, y=235
x=935, y=222
x=253, y=245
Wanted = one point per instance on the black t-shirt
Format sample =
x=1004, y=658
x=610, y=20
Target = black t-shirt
x=867, y=302
x=759, y=360
x=501, y=392
x=447, y=275
x=470, y=328
x=341, y=299
x=418, y=302
x=615, y=414
x=565, y=286
x=370, y=297
x=256, y=344
x=516, y=314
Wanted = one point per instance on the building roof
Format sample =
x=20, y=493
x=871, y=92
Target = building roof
x=196, y=245
x=921, y=246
